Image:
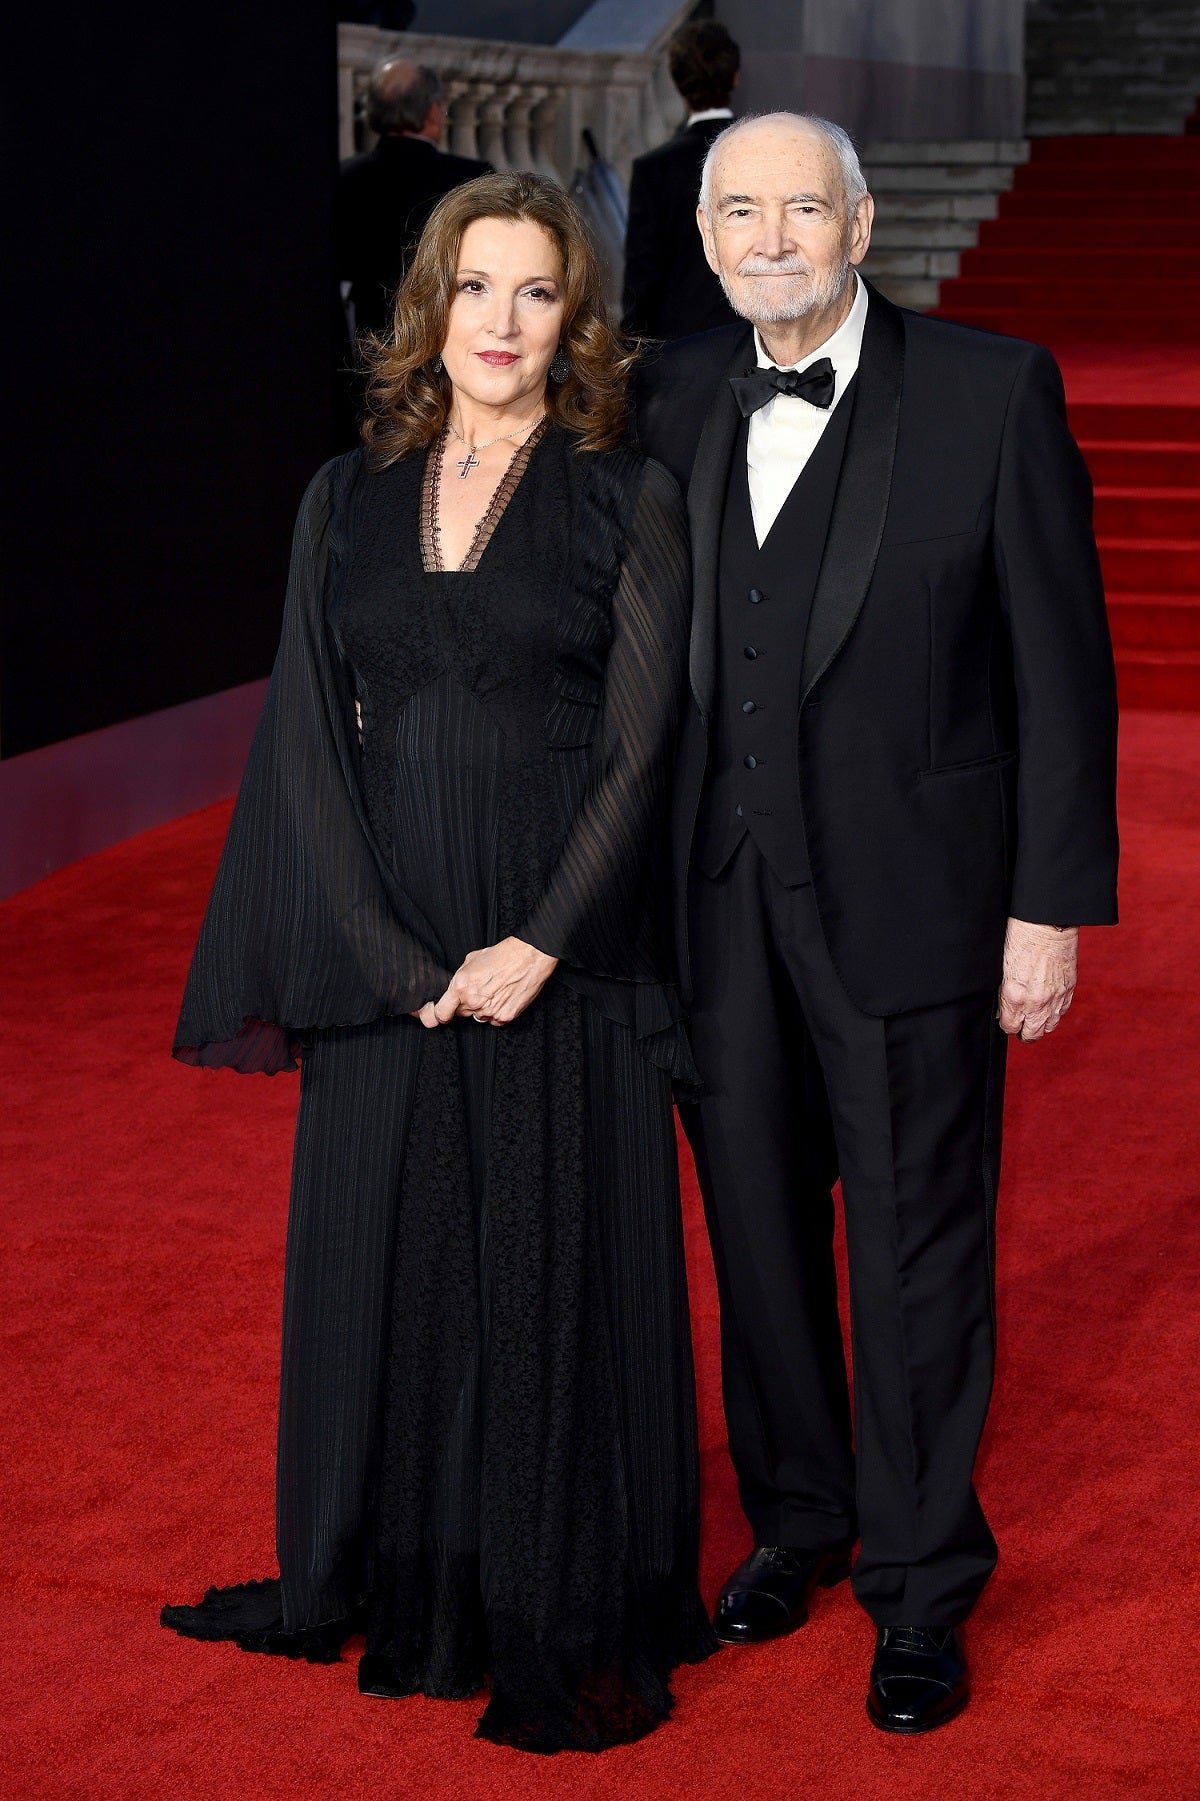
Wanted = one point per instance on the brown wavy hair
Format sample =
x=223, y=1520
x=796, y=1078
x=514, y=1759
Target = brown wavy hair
x=408, y=395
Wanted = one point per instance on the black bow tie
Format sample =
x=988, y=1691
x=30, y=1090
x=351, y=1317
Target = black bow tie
x=814, y=384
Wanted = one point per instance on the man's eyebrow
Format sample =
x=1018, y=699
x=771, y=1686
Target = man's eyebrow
x=792, y=199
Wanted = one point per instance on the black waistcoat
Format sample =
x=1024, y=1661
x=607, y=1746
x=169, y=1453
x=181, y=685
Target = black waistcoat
x=763, y=602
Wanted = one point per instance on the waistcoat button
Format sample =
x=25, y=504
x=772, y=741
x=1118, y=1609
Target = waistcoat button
x=750, y=762
x=755, y=595
x=750, y=652
x=749, y=706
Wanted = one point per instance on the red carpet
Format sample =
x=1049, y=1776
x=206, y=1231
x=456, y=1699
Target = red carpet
x=144, y=1215
x=1096, y=252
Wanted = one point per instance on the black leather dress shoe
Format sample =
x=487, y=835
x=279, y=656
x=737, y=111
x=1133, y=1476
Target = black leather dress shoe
x=918, y=1679
x=770, y=1593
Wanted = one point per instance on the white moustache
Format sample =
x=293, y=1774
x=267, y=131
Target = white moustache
x=781, y=266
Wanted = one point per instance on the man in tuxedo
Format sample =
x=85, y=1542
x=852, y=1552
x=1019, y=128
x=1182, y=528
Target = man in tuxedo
x=669, y=289
x=895, y=809
x=386, y=194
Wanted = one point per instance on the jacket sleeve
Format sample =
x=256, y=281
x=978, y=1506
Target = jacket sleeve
x=1052, y=595
x=304, y=928
x=606, y=905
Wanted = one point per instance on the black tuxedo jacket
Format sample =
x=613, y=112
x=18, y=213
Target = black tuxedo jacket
x=957, y=705
x=670, y=291
x=384, y=198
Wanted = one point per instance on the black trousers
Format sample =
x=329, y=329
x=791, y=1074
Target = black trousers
x=802, y=1087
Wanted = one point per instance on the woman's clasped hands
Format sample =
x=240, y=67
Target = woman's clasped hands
x=492, y=986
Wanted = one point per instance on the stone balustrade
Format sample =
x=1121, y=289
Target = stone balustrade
x=522, y=106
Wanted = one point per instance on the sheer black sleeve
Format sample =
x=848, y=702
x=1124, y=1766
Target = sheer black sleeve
x=606, y=906
x=304, y=928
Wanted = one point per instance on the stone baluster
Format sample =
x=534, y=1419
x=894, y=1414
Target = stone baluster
x=521, y=154
x=464, y=117
x=493, y=118
x=546, y=120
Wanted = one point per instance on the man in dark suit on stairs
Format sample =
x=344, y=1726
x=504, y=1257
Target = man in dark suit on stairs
x=895, y=809
x=386, y=194
x=669, y=290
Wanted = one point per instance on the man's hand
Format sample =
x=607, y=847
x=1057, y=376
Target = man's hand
x=1039, y=978
x=493, y=985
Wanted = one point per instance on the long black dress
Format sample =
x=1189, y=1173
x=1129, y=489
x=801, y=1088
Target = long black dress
x=487, y=1444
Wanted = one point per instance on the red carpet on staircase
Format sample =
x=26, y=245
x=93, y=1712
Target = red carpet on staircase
x=1096, y=252
x=143, y=1221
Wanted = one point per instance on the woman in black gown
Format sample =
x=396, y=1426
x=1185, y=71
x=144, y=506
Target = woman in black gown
x=444, y=893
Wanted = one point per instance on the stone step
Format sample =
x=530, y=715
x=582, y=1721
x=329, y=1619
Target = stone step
x=1158, y=202
x=909, y=291
x=890, y=233
x=1129, y=29
x=991, y=151
x=1091, y=265
x=1119, y=74
x=1033, y=236
x=1124, y=93
x=1124, y=181
x=1055, y=124
x=1152, y=18
x=895, y=207
x=938, y=264
x=1044, y=53
x=1099, y=152
x=943, y=178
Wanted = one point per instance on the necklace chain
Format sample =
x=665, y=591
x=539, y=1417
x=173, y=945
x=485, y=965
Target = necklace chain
x=472, y=448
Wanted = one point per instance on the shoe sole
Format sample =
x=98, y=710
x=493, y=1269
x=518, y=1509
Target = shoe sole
x=944, y=1719
x=829, y=1578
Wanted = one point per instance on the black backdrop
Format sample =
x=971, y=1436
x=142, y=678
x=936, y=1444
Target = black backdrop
x=169, y=347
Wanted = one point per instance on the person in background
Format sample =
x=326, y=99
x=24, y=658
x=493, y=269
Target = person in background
x=386, y=194
x=670, y=291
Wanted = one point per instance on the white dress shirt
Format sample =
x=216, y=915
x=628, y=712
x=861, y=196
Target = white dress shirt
x=784, y=433
x=712, y=112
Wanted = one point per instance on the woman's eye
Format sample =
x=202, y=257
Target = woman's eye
x=542, y=294
x=470, y=286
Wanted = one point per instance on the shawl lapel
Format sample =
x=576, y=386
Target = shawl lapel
x=706, y=503
x=864, y=487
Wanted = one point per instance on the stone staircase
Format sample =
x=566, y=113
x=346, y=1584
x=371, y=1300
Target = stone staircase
x=929, y=200
x=1105, y=66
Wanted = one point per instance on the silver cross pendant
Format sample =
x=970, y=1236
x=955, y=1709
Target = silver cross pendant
x=467, y=463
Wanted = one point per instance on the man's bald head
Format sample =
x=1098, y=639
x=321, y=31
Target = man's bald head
x=775, y=135
x=400, y=97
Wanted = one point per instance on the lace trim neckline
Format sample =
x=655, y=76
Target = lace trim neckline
x=431, y=484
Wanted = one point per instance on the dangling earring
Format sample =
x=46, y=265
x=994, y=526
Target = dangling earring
x=560, y=368
x=437, y=365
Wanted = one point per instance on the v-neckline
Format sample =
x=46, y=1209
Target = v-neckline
x=485, y=531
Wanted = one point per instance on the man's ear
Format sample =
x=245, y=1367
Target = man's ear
x=860, y=229
x=707, y=239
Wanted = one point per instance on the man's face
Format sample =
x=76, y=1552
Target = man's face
x=779, y=235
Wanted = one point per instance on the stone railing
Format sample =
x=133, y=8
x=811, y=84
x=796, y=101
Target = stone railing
x=522, y=106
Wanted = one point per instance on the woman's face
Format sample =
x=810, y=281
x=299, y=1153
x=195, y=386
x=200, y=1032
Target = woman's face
x=506, y=316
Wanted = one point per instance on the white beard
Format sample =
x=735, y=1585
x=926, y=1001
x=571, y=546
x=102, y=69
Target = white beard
x=779, y=300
